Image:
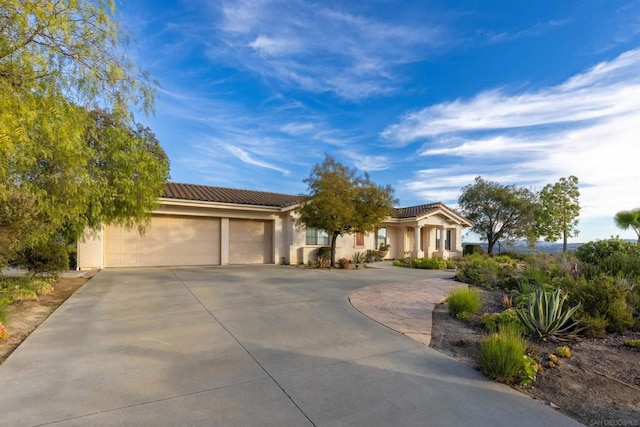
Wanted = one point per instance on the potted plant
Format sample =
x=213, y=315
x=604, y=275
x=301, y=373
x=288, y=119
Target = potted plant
x=383, y=250
x=372, y=255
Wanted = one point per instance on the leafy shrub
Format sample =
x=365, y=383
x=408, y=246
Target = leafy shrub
x=472, y=249
x=526, y=285
x=633, y=298
x=618, y=264
x=529, y=370
x=463, y=302
x=73, y=256
x=595, y=251
x=429, y=263
x=50, y=257
x=552, y=265
x=451, y=263
x=482, y=271
x=494, y=321
x=552, y=361
x=323, y=256
x=404, y=262
x=547, y=316
x=632, y=343
x=603, y=302
x=505, y=260
x=535, y=277
x=501, y=355
x=423, y=263
x=563, y=351
x=595, y=326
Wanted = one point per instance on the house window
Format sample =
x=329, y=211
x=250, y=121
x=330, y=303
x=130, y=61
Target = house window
x=447, y=241
x=313, y=236
x=359, y=239
x=381, y=236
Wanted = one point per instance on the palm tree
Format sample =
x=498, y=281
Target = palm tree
x=629, y=219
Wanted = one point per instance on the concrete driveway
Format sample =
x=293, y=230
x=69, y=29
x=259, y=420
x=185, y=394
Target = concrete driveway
x=226, y=346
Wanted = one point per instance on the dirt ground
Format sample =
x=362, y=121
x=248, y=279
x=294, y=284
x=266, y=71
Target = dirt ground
x=599, y=385
x=24, y=317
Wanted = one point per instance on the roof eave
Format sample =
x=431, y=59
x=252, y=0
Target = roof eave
x=205, y=204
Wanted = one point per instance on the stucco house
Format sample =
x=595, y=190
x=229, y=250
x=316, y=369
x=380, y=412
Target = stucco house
x=203, y=225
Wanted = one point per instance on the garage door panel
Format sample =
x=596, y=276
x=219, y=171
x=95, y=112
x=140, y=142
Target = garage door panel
x=168, y=241
x=250, y=241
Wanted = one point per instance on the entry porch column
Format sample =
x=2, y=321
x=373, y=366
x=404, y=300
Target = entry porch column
x=417, y=251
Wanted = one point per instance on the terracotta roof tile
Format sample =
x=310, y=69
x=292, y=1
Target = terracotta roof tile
x=416, y=211
x=204, y=193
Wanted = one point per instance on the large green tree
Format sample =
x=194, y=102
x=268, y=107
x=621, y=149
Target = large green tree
x=498, y=212
x=629, y=219
x=340, y=201
x=67, y=167
x=558, y=211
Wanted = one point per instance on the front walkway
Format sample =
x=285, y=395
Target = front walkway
x=404, y=307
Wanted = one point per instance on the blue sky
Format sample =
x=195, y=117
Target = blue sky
x=424, y=95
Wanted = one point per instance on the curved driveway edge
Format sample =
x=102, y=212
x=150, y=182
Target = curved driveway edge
x=243, y=346
x=404, y=307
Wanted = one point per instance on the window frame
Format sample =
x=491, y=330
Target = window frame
x=316, y=237
x=378, y=240
x=447, y=239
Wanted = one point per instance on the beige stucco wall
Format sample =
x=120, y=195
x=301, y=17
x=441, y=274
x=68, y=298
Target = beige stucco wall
x=288, y=240
x=90, y=251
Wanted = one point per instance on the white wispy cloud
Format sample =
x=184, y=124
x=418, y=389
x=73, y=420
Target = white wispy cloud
x=320, y=48
x=502, y=145
x=588, y=126
x=247, y=158
x=538, y=29
x=297, y=128
x=225, y=141
x=368, y=163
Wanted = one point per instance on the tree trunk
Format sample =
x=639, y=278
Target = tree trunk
x=490, y=245
x=564, y=240
x=334, y=237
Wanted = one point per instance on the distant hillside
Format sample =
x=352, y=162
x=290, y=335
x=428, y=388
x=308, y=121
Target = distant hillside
x=521, y=246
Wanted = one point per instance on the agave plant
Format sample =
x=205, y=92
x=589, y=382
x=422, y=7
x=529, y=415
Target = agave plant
x=546, y=315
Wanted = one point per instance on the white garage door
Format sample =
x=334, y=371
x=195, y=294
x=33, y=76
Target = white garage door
x=168, y=241
x=250, y=241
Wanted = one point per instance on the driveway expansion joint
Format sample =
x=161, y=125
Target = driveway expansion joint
x=247, y=351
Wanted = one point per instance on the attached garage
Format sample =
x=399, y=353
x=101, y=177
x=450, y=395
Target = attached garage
x=204, y=225
x=250, y=241
x=168, y=241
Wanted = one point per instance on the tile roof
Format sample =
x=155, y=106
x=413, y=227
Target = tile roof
x=204, y=193
x=422, y=210
x=416, y=211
